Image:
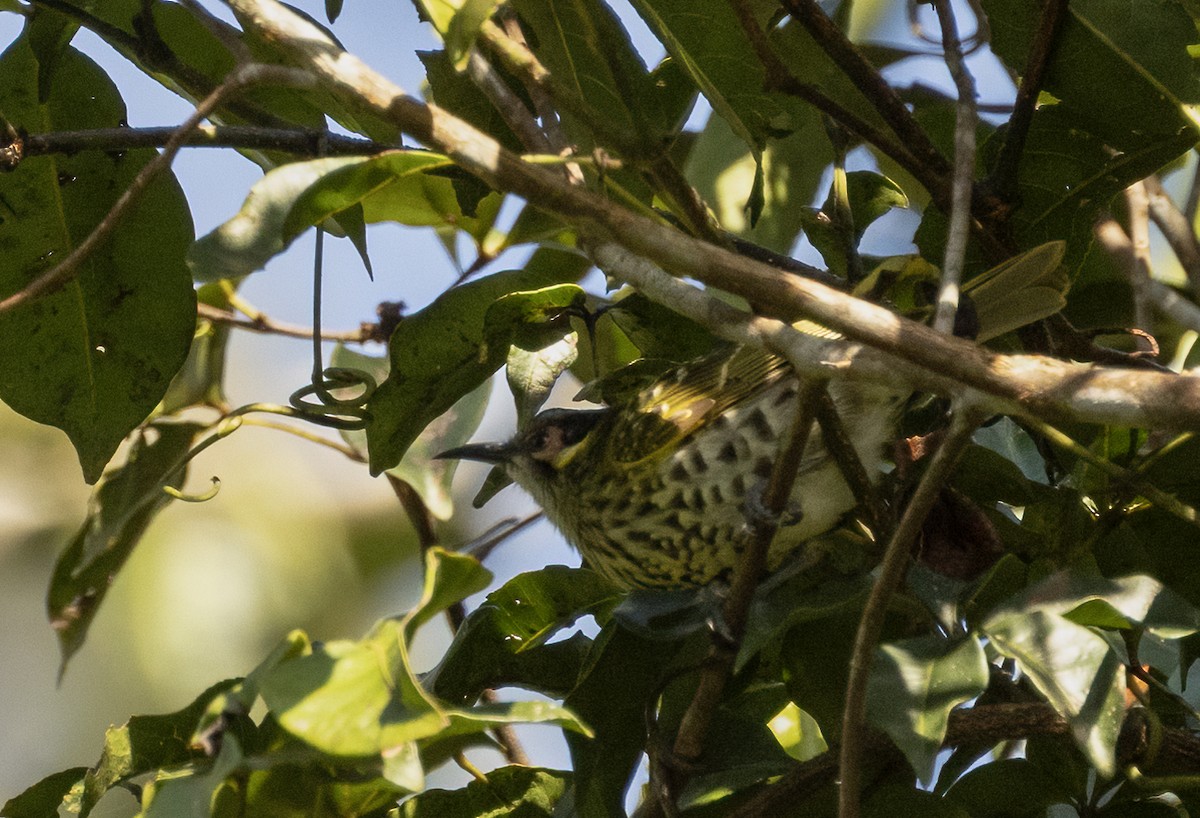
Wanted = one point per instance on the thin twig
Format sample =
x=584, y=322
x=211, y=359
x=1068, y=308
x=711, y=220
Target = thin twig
x=781, y=78
x=891, y=574
x=872, y=85
x=1112, y=237
x=1176, y=228
x=66, y=270
x=841, y=448
x=301, y=141
x=962, y=186
x=269, y=326
x=1137, y=203
x=1008, y=160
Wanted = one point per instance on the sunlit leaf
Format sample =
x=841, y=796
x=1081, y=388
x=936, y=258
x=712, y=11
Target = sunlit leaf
x=1074, y=669
x=531, y=375
x=430, y=477
x=913, y=687
x=458, y=23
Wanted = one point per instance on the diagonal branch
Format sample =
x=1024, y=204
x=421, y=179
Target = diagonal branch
x=869, y=82
x=783, y=79
x=1022, y=384
x=891, y=574
x=1008, y=161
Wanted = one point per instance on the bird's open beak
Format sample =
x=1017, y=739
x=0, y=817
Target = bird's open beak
x=483, y=452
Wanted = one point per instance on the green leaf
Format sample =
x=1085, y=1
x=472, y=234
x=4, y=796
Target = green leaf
x=1122, y=67
x=145, y=744
x=1074, y=669
x=246, y=242
x=1009, y=788
x=1026, y=288
x=44, y=798
x=638, y=667
x=658, y=331
x=447, y=350
x=458, y=22
x=588, y=53
x=201, y=379
x=522, y=792
x=124, y=502
x=531, y=375
x=914, y=684
x=719, y=58
x=431, y=478
x=353, y=698
x=503, y=641
x=363, y=698
x=454, y=91
x=96, y=356
x=797, y=733
x=395, y=177
x=869, y=196
x=191, y=795
x=449, y=579
x=1133, y=600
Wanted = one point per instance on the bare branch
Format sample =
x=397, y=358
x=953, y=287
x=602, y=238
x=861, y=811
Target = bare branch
x=1176, y=228
x=1053, y=390
x=963, y=184
x=1008, y=162
x=891, y=574
x=290, y=140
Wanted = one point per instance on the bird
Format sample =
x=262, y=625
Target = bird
x=652, y=489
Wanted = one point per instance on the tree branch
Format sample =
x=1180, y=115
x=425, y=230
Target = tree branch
x=1008, y=161
x=868, y=81
x=963, y=184
x=1051, y=389
x=300, y=141
x=781, y=78
x=891, y=574
x=1177, y=230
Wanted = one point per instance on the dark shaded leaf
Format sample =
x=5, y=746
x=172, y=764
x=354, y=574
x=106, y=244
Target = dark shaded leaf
x=43, y=799
x=145, y=744
x=504, y=640
x=95, y=357
x=519, y=792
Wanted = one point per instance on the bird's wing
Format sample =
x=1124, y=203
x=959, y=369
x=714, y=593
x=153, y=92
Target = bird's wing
x=689, y=397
